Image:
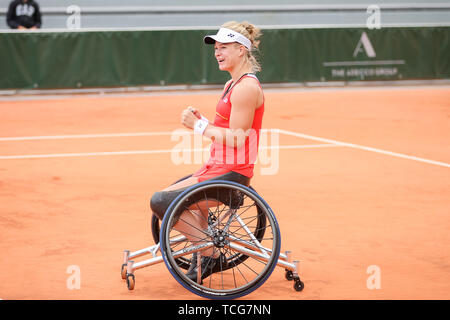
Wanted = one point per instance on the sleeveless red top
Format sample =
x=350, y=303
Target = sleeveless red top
x=224, y=158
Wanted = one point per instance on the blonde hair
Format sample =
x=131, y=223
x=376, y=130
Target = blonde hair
x=252, y=33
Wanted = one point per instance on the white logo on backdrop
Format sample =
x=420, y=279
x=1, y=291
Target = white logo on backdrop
x=364, y=43
x=360, y=69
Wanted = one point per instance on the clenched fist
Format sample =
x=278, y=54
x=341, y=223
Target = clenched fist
x=189, y=116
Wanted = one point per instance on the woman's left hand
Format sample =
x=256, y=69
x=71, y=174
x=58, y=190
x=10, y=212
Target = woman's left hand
x=189, y=116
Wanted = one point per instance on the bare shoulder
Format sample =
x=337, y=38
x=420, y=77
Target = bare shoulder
x=247, y=86
x=247, y=93
x=250, y=81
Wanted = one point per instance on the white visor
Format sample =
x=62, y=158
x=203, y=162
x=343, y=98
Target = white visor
x=225, y=35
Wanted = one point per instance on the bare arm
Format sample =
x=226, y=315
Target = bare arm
x=244, y=99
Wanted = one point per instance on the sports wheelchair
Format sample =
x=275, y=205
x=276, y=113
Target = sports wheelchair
x=240, y=226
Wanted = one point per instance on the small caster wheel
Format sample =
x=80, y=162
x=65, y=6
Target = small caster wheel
x=289, y=275
x=123, y=271
x=130, y=281
x=298, y=285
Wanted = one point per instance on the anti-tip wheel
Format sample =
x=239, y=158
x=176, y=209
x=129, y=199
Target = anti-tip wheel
x=289, y=275
x=123, y=271
x=130, y=281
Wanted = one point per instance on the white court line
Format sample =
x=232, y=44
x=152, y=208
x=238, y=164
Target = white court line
x=111, y=135
x=105, y=135
x=357, y=146
x=114, y=153
x=301, y=146
x=89, y=136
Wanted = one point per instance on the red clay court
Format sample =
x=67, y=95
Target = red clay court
x=363, y=180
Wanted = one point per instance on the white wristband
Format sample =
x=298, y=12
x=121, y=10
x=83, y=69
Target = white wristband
x=200, y=125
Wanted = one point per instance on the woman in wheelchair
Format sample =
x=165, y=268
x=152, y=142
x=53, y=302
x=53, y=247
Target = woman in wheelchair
x=234, y=134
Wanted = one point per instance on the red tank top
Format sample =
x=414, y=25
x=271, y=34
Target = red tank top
x=224, y=158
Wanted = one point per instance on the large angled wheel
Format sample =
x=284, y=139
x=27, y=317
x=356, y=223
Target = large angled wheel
x=232, y=212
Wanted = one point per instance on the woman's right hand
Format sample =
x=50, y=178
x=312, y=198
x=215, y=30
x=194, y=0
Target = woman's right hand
x=195, y=112
x=189, y=117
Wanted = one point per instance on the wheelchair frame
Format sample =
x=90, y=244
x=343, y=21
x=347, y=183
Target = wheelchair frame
x=254, y=250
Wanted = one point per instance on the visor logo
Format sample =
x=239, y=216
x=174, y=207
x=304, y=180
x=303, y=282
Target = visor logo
x=231, y=35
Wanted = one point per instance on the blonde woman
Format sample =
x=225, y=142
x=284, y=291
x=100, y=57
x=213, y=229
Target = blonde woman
x=234, y=133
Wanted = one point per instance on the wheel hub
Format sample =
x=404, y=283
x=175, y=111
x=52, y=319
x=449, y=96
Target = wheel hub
x=220, y=238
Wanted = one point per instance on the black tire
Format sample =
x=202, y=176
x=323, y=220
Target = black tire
x=130, y=281
x=123, y=271
x=289, y=275
x=298, y=285
x=240, y=278
x=155, y=225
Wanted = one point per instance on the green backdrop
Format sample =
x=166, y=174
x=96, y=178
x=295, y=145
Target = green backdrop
x=133, y=58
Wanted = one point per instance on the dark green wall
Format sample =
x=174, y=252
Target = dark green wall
x=135, y=58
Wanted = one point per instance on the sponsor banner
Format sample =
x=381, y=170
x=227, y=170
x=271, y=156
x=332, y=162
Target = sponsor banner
x=355, y=54
x=82, y=59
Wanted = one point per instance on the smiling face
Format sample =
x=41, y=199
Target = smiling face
x=228, y=55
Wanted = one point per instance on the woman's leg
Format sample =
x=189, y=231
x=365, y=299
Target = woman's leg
x=193, y=223
x=182, y=184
